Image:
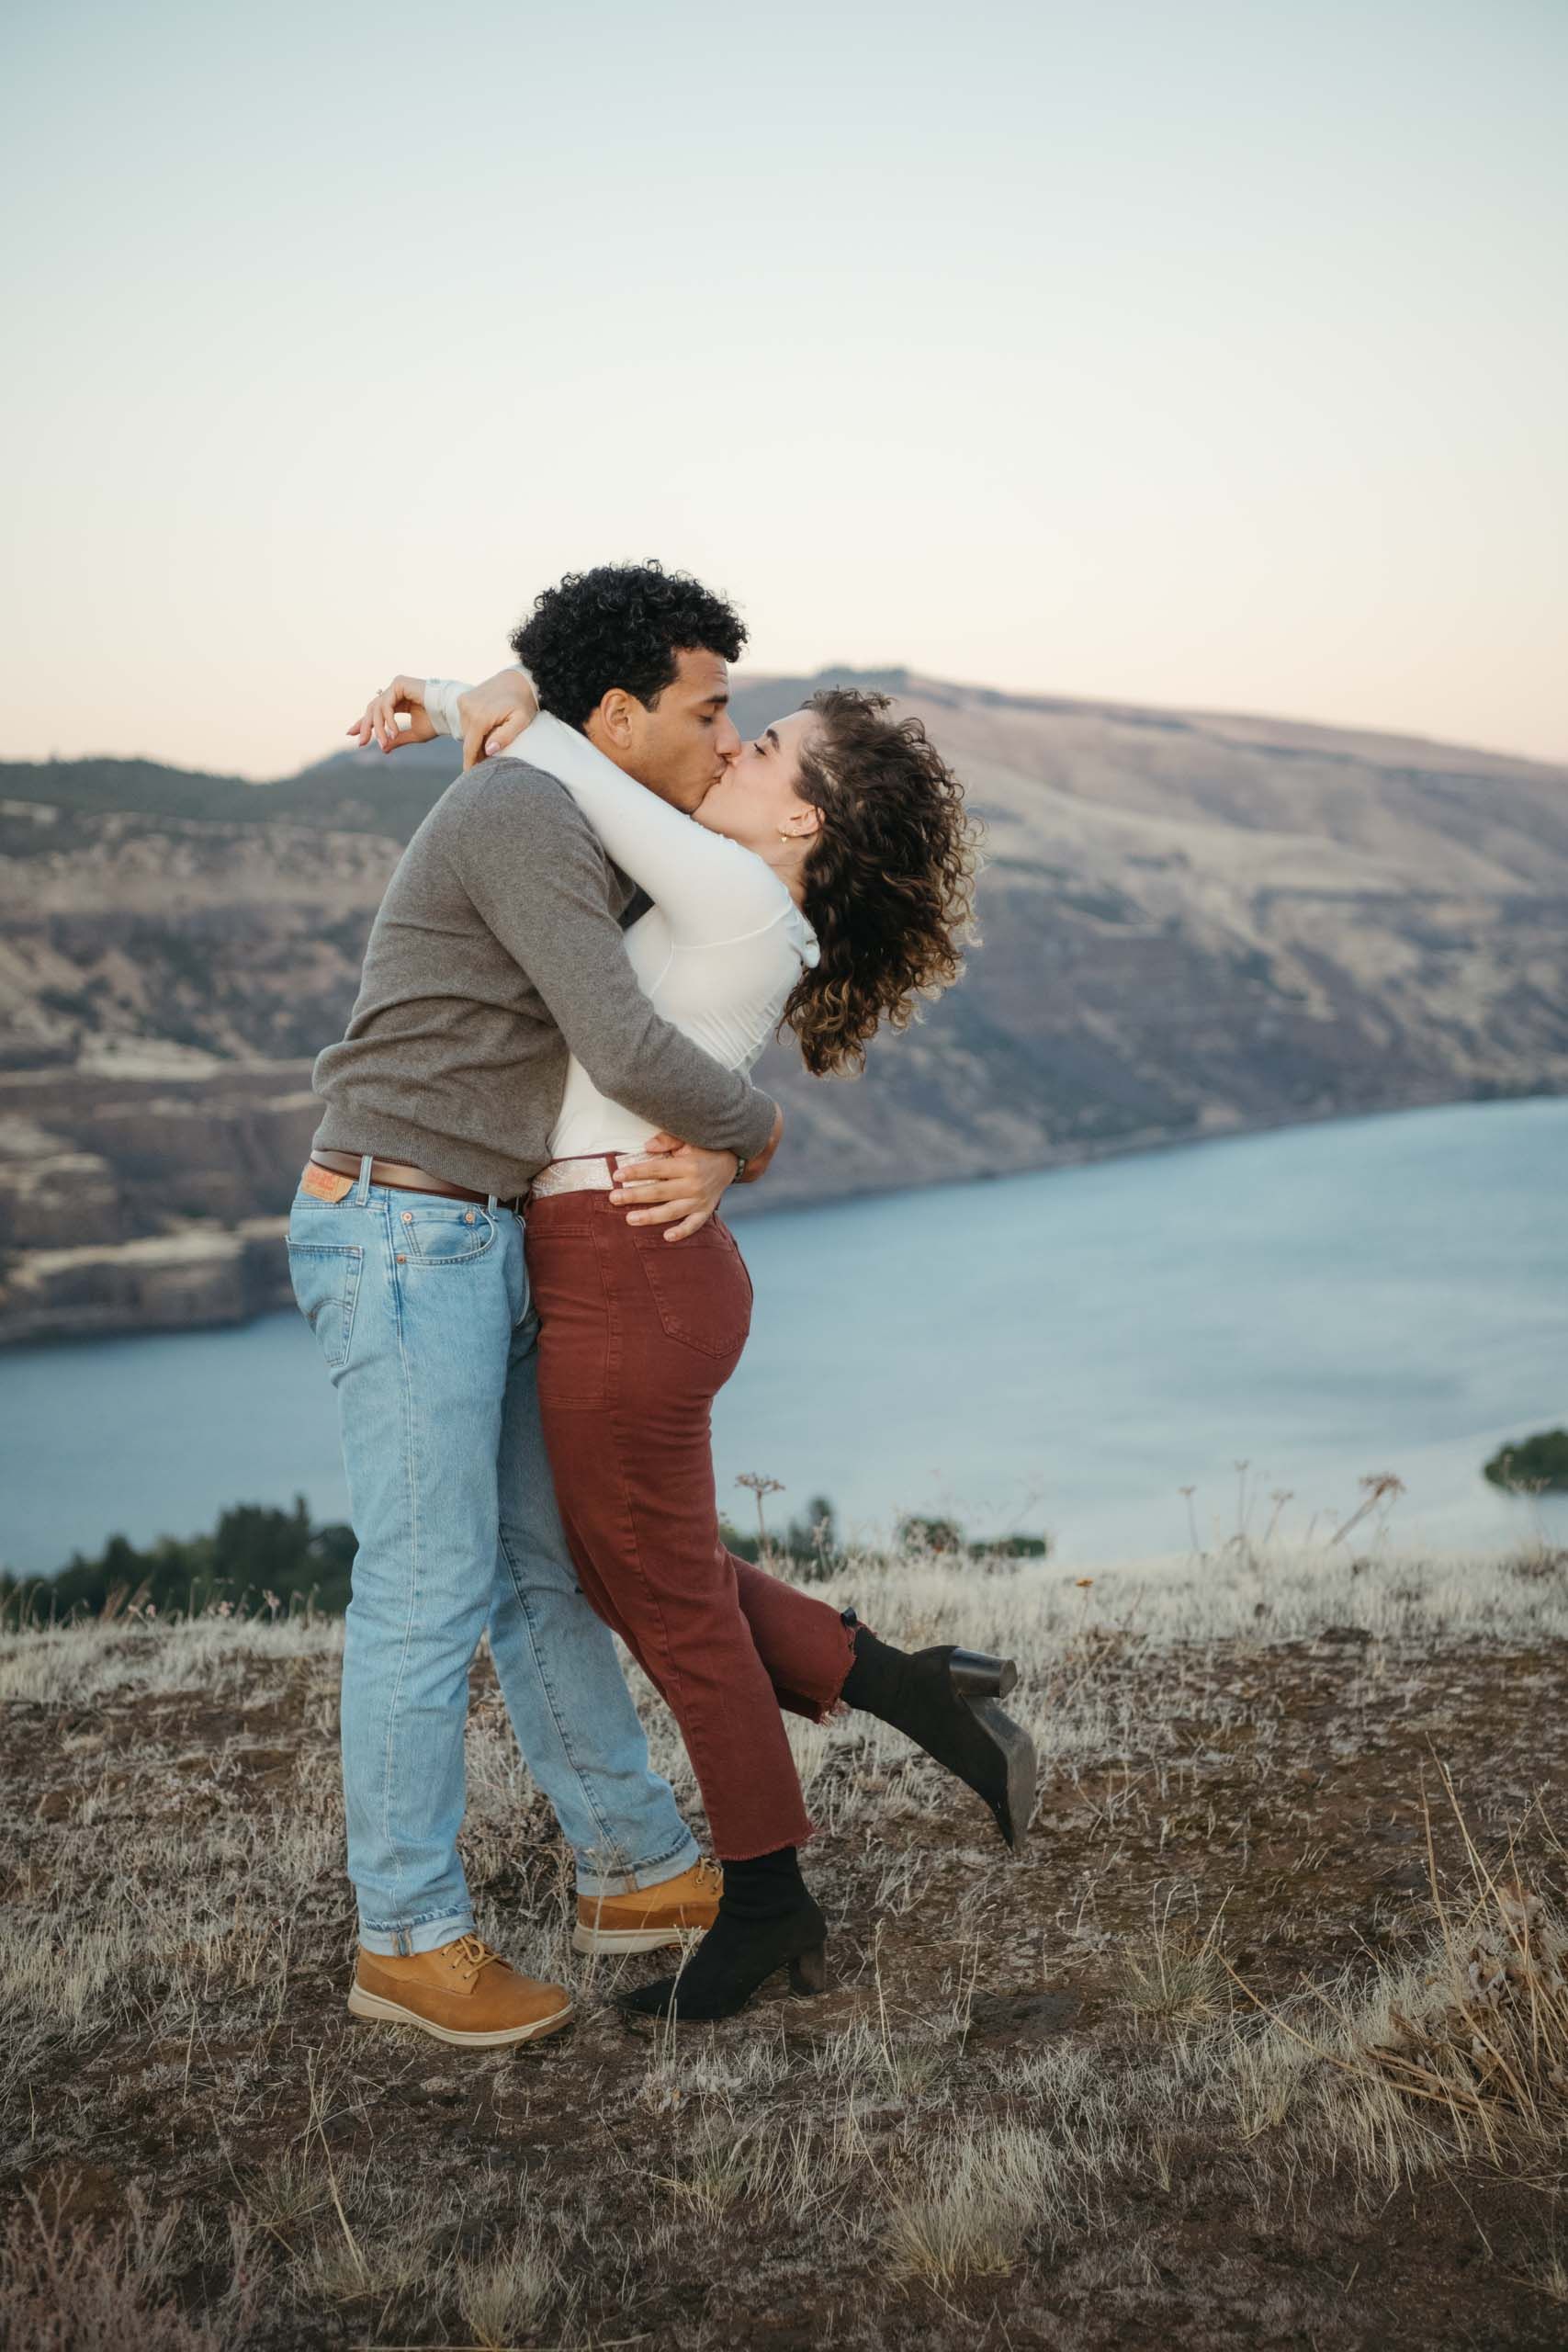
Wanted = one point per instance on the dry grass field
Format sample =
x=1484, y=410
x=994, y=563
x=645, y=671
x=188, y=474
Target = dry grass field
x=1262, y=2042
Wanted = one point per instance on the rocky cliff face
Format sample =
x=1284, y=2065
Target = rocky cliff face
x=1189, y=925
x=147, y=1201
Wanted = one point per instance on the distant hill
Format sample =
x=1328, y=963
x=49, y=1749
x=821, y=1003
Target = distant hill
x=1192, y=923
x=352, y=792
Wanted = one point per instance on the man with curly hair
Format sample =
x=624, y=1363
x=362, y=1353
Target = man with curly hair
x=496, y=956
x=825, y=888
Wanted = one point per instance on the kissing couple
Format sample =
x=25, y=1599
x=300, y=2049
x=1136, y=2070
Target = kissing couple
x=506, y=1241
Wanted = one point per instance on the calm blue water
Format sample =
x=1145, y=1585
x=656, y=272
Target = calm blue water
x=1060, y=1352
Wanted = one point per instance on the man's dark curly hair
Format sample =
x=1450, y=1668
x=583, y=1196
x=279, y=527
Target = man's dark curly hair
x=889, y=885
x=619, y=625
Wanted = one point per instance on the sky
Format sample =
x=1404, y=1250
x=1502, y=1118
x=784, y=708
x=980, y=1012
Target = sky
x=1210, y=355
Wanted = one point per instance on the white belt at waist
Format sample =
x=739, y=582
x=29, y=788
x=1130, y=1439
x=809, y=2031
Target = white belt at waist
x=593, y=1174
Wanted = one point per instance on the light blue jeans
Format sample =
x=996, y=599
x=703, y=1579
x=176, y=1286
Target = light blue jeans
x=421, y=1307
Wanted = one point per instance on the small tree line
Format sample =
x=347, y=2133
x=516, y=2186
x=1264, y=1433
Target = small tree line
x=261, y=1561
x=812, y=1548
x=258, y=1561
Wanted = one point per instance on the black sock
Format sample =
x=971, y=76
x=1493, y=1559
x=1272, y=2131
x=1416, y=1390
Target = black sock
x=765, y=1885
x=875, y=1682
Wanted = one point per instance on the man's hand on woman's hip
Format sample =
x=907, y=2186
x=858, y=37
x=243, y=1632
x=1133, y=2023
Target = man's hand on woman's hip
x=679, y=1184
x=675, y=1184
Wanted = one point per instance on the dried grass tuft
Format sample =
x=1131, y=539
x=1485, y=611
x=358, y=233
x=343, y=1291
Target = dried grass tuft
x=76, y=2286
x=504, y=2294
x=1488, y=2042
x=1173, y=1975
x=970, y=2206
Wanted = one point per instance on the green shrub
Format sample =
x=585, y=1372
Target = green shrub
x=257, y=1559
x=945, y=1535
x=1539, y=1463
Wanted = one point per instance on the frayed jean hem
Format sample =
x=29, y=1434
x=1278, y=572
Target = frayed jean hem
x=419, y=1935
x=598, y=1885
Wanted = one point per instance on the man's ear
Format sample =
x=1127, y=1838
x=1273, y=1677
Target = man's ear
x=615, y=715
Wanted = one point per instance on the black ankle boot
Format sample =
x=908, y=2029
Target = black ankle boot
x=945, y=1700
x=766, y=1919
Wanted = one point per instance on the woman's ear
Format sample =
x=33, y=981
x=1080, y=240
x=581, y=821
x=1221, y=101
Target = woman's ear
x=805, y=821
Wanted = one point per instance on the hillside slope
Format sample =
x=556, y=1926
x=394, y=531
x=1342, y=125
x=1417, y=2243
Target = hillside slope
x=1191, y=923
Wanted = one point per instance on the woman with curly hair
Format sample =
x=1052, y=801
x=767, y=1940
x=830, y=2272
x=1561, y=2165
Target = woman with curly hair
x=823, y=889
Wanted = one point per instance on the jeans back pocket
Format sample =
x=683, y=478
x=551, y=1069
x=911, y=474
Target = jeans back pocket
x=325, y=1275
x=701, y=1289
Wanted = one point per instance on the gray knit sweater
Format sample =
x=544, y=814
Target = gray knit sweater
x=497, y=950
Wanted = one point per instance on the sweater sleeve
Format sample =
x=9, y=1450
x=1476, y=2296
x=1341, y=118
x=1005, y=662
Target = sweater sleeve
x=536, y=874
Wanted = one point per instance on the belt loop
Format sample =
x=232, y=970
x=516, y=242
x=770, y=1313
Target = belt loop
x=491, y=1206
x=362, y=1197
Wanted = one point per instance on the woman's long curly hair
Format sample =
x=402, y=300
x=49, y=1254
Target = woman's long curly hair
x=890, y=887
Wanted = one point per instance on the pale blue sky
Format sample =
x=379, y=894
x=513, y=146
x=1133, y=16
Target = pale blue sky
x=1211, y=354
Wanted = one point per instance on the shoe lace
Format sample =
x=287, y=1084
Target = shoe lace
x=471, y=1953
x=711, y=1876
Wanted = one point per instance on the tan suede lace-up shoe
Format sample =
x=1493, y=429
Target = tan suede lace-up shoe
x=649, y=1916
x=463, y=1992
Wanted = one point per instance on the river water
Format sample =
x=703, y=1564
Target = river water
x=1058, y=1354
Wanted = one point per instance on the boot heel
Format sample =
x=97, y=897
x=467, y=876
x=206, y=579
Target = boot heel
x=974, y=1676
x=808, y=1970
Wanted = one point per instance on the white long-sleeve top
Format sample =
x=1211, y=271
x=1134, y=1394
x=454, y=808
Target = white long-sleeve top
x=717, y=954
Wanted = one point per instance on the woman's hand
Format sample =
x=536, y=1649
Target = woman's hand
x=495, y=714
x=380, y=723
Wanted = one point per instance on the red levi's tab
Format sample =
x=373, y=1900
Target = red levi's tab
x=322, y=1186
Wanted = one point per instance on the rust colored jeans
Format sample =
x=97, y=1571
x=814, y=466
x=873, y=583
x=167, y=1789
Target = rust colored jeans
x=636, y=1337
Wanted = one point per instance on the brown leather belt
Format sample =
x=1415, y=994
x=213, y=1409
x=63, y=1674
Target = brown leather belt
x=404, y=1179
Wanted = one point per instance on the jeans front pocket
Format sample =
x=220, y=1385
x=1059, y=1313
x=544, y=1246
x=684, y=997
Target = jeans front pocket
x=449, y=1235
x=325, y=1275
x=699, y=1287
